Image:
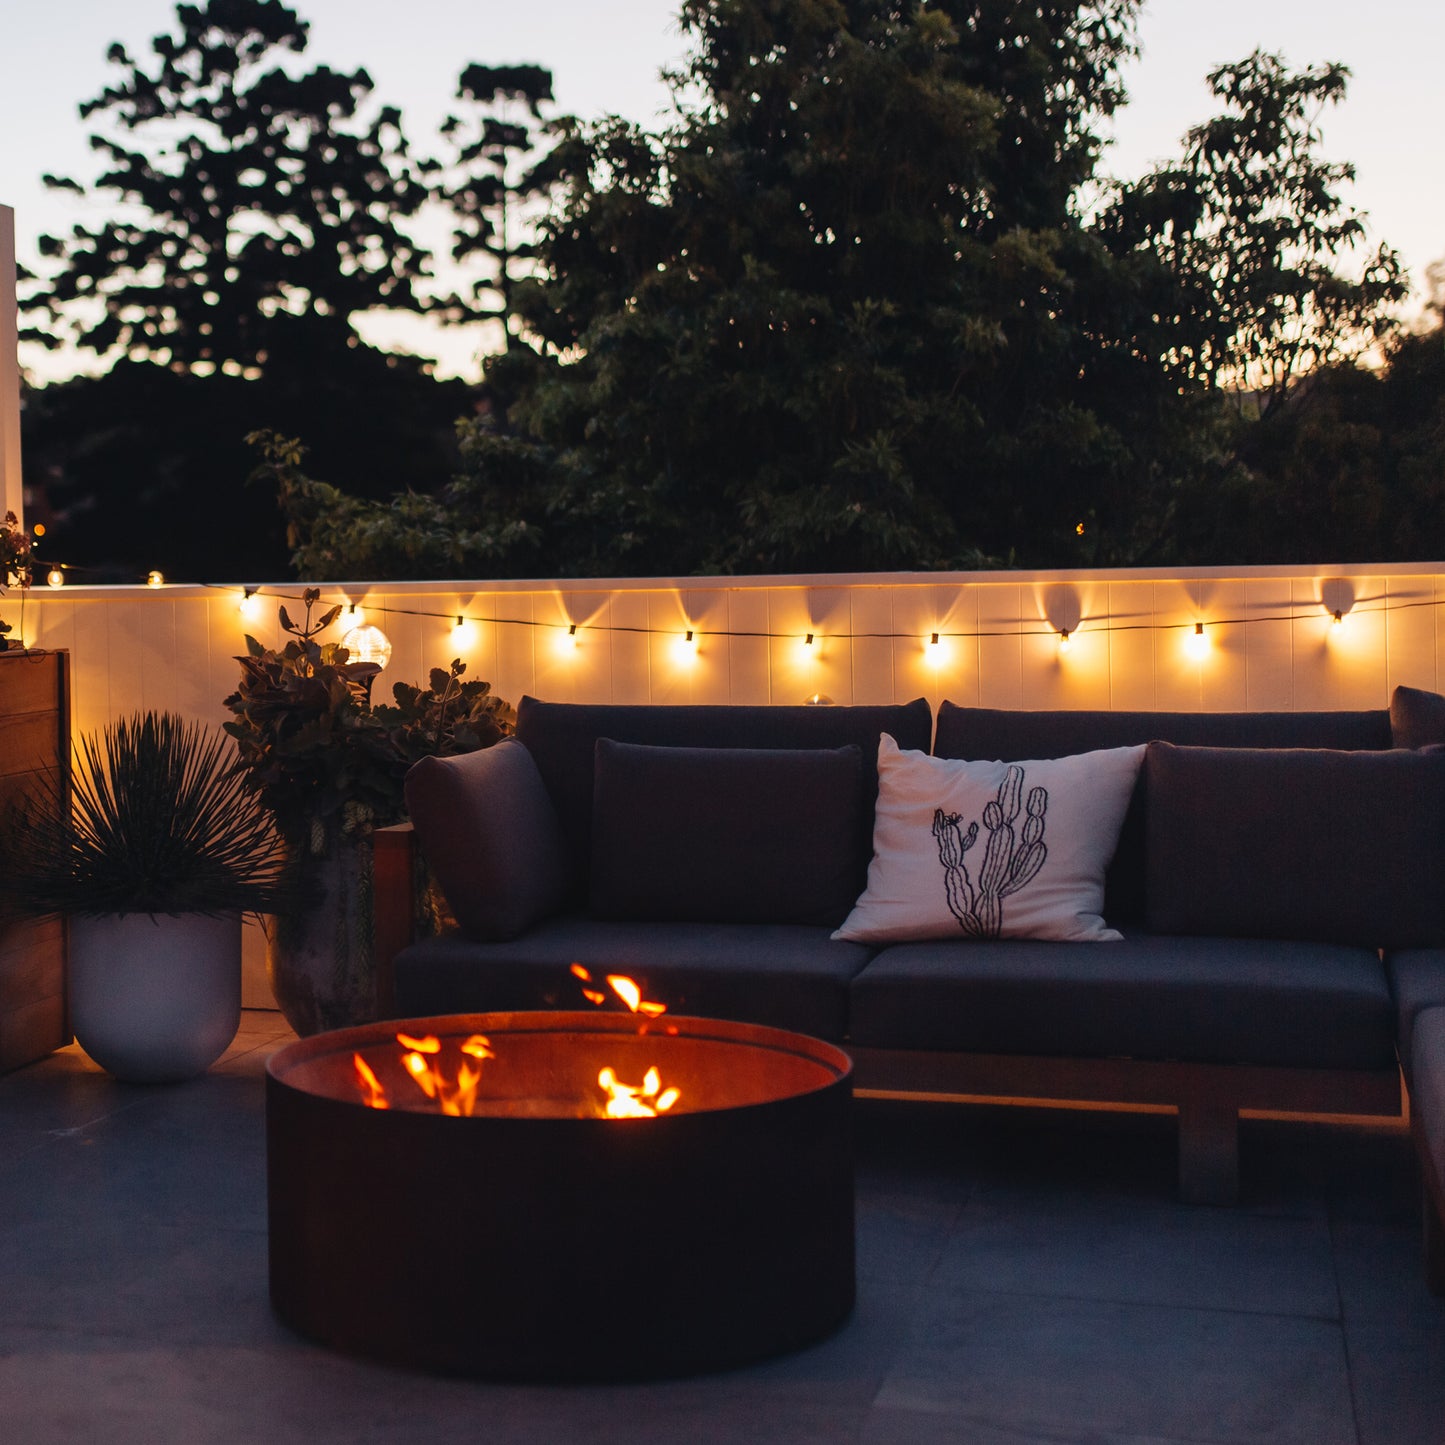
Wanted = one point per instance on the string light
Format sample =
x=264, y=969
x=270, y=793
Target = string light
x=55, y=577
x=808, y=640
x=1197, y=642
x=155, y=578
x=1103, y=622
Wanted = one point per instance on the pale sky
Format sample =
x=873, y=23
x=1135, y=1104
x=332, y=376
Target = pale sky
x=605, y=55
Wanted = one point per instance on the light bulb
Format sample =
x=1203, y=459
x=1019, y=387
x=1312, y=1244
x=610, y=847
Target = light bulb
x=55, y=577
x=1197, y=642
x=367, y=644
x=1065, y=641
x=154, y=578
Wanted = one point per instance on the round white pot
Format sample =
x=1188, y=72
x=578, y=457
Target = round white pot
x=155, y=999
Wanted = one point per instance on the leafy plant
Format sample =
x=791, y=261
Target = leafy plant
x=310, y=749
x=15, y=563
x=158, y=821
x=323, y=761
x=451, y=716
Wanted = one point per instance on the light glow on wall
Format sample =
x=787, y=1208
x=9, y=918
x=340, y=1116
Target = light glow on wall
x=1196, y=642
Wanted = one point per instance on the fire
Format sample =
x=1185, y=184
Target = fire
x=636, y=1101
x=422, y=1063
x=625, y=988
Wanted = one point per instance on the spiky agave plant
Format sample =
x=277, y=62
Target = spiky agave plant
x=158, y=821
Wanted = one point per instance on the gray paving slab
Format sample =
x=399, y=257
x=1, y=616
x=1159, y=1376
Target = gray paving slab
x=1025, y=1277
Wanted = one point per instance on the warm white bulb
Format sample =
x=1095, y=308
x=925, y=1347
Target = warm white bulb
x=367, y=644
x=154, y=578
x=55, y=577
x=1065, y=641
x=1197, y=641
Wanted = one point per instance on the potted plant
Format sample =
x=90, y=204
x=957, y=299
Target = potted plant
x=327, y=767
x=153, y=860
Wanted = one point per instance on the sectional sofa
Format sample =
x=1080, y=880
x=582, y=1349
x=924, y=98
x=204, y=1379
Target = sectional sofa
x=1271, y=919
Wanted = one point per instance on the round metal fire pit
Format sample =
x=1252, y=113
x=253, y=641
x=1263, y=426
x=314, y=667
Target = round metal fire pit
x=538, y=1239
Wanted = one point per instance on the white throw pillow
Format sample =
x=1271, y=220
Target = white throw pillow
x=965, y=849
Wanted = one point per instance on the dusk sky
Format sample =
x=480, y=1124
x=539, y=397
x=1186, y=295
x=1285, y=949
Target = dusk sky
x=606, y=56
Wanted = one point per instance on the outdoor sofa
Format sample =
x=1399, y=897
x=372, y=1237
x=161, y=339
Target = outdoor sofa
x=1276, y=882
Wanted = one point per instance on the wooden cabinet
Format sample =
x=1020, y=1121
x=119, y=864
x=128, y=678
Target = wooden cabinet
x=34, y=739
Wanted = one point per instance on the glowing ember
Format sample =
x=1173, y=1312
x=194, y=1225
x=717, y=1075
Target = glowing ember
x=422, y=1064
x=636, y=1101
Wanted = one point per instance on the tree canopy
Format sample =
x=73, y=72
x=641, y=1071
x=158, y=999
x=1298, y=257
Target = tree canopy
x=871, y=302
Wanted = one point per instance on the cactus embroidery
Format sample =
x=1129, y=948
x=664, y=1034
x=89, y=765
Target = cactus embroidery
x=1009, y=861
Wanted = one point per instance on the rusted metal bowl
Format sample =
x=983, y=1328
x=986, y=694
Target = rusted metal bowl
x=539, y=1239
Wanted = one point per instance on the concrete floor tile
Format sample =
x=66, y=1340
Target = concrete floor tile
x=1038, y=1364
x=1153, y=1253
x=1399, y=1383
x=1381, y=1270
x=913, y=1427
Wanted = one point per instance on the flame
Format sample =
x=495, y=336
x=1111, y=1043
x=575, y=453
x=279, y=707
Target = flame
x=422, y=1063
x=376, y=1095
x=631, y=995
x=636, y=1101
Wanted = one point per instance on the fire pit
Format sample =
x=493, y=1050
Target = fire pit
x=607, y=1196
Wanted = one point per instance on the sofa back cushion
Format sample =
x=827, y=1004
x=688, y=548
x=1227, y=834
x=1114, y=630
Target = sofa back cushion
x=1315, y=844
x=562, y=738
x=489, y=834
x=725, y=835
x=1417, y=717
x=1013, y=735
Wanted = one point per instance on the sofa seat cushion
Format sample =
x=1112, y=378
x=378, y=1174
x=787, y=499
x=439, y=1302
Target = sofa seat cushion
x=789, y=976
x=1206, y=1000
x=1417, y=981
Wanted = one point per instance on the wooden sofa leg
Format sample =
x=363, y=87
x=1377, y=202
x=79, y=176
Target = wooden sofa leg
x=1208, y=1152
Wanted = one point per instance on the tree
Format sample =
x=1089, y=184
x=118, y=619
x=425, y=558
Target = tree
x=498, y=170
x=1252, y=226
x=869, y=303
x=259, y=207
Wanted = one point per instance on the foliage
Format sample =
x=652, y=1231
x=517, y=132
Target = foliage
x=448, y=717
x=1251, y=223
x=304, y=733
x=251, y=197
x=1353, y=468
x=869, y=303
x=322, y=761
x=15, y=564
x=159, y=821
x=497, y=172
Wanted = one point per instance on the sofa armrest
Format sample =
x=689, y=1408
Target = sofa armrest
x=393, y=906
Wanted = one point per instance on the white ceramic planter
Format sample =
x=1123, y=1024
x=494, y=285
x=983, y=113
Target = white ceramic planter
x=155, y=999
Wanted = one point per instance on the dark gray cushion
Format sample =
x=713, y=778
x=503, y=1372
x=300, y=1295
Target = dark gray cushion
x=1417, y=718
x=783, y=975
x=489, y=834
x=1427, y=1091
x=1297, y=843
x=1417, y=982
x=1206, y=1000
x=562, y=738
x=725, y=835
x=1013, y=735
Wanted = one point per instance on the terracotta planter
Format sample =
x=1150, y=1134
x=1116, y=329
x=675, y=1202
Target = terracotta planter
x=320, y=959
x=154, y=1000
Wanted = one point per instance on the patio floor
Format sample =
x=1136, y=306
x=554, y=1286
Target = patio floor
x=1023, y=1277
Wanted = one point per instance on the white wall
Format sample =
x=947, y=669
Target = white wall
x=12, y=498
x=1271, y=642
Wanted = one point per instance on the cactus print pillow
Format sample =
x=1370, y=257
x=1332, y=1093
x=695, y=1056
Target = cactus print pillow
x=981, y=850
